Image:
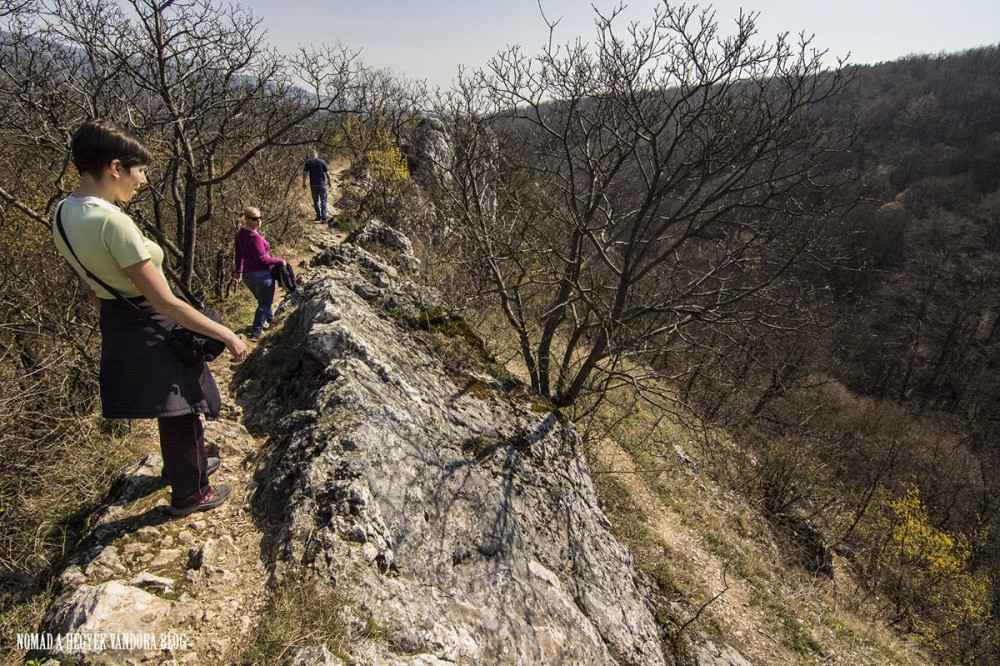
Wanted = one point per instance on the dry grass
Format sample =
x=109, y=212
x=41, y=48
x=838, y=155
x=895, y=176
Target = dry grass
x=49, y=498
x=238, y=310
x=694, y=538
x=300, y=615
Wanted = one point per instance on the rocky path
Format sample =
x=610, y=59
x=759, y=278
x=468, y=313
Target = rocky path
x=148, y=587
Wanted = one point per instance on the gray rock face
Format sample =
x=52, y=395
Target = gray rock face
x=105, y=611
x=436, y=159
x=467, y=524
x=313, y=656
x=375, y=231
x=145, y=580
x=376, y=282
x=215, y=554
x=432, y=151
x=719, y=654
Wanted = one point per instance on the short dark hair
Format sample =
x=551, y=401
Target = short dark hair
x=98, y=142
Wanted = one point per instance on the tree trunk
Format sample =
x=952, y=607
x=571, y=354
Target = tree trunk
x=190, y=227
x=558, y=316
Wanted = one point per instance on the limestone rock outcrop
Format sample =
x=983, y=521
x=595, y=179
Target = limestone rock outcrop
x=374, y=231
x=432, y=152
x=108, y=611
x=466, y=522
x=456, y=519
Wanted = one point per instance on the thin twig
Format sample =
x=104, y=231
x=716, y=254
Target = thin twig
x=710, y=601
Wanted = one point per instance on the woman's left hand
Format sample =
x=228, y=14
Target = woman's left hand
x=238, y=348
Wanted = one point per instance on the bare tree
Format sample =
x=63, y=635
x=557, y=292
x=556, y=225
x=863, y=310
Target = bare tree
x=385, y=104
x=197, y=81
x=41, y=104
x=619, y=194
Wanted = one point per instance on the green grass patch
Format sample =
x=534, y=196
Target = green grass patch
x=479, y=389
x=238, y=310
x=478, y=447
x=794, y=636
x=449, y=324
x=463, y=352
x=384, y=252
x=540, y=407
x=377, y=632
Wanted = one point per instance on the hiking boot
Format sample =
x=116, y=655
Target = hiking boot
x=256, y=335
x=213, y=464
x=216, y=496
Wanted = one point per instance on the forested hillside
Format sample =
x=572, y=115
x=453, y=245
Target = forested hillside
x=931, y=133
x=915, y=326
x=880, y=419
x=918, y=321
x=841, y=328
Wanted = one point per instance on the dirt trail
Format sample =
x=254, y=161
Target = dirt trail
x=705, y=570
x=233, y=600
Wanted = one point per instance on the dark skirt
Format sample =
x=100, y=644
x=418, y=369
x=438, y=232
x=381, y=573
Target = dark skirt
x=141, y=376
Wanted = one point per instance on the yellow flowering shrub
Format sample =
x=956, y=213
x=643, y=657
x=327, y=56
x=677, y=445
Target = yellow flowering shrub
x=376, y=155
x=386, y=162
x=926, y=571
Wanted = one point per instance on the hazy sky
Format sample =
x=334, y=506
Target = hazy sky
x=428, y=39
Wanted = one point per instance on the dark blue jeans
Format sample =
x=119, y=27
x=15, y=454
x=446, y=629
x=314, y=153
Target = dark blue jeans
x=261, y=285
x=319, y=200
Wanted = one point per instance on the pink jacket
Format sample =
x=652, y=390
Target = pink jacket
x=253, y=253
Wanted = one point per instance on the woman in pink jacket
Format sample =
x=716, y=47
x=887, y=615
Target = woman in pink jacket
x=253, y=264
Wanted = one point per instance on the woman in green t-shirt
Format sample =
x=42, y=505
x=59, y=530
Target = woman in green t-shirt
x=141, y=376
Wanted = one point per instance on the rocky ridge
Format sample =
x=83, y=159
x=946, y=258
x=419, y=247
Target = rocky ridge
x=459, y=517
x=464, y=520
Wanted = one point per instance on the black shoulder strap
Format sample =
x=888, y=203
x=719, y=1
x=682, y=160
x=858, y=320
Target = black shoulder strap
x=139, y=311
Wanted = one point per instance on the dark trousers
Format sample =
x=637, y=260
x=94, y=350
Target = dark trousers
x=182, y=445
